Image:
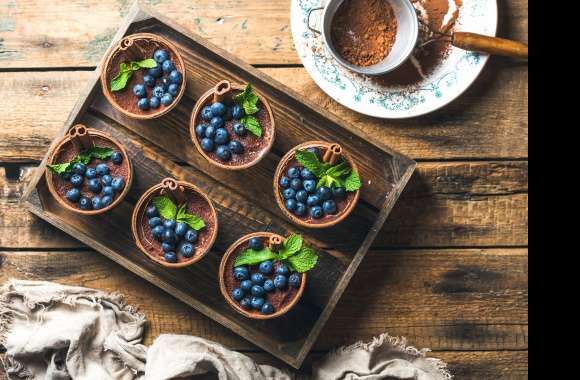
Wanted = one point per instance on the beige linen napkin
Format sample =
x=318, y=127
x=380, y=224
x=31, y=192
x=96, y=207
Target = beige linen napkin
x=57, y=332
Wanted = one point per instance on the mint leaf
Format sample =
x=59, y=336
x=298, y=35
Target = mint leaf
x=310, y=161
x=240, y=98
x=120, y=81
x=85, y=157
x=253, y=125
x=100, y=153
x=329, y=181
x=292, y=245
x=304, y=260
x=251, y=257
x=192, y=221
x=352, y=182
x=60, y=168
x=147, y=64
x=248, y=100
x=339, y=170
x=167, y=209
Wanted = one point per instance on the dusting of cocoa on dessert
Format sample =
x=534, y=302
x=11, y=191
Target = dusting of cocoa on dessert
x=364, y=31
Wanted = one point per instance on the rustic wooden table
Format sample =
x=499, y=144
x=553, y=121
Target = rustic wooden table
x=450, y=269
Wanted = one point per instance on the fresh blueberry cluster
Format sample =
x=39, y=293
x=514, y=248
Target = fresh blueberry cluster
x=164, y=82
x=303, y=196
x=99, y=181
x=254, y=287
x=172, y=235
x=213, y=135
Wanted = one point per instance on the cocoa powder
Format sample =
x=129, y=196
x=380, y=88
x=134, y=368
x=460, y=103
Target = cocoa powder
x=364, y=31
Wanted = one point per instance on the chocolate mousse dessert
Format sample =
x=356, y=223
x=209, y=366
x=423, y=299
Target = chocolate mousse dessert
x=175, y=224
x=88, y=172
x=317, y=184
x=263, y=275
x=232, y=126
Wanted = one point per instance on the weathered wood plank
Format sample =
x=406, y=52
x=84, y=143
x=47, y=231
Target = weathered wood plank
x=77, y=32
x=446, y=204
x=444, y=299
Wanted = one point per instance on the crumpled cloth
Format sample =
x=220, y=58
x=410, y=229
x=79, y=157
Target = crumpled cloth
x=56, y=332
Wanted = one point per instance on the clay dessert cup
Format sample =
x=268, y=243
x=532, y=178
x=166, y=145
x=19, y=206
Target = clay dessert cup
x=197, y=203
x=80, y=139
x=329, y=153
x=138, y=47
x=283, y=301
x=255, y=149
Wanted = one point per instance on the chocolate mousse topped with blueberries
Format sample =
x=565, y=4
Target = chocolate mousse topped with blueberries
x=232, y=126
x=263, y=275
x=317, y=184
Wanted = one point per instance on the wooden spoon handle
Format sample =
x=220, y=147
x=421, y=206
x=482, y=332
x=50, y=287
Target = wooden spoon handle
x=491, y=45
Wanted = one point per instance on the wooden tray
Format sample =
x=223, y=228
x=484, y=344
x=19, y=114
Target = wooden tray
x=244, y=200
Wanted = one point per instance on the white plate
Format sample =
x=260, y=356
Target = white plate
x=445, y=84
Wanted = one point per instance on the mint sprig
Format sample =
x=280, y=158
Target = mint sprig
x=292, y=253
x=249, y=102
x=84, y=157
x=168, y=210
x=126, y=71
x=340, y=175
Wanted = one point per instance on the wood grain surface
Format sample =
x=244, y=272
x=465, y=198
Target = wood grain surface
x=456, y=243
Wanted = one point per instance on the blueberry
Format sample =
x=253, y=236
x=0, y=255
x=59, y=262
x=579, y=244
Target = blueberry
x=85, y=204
x=95, y=185
x=300, y=209
x=296, y=184
x=79, y=168
x=173, y=89
x=166, y=100
x=236, y=147
x=280, y=281
x=210, y=132
x=108, y=191
x=156, y=72
x=237, y=112
x=102, y=169
x=257, y=244
x=258, y=279
x=289, y=193
x=267, y=309
x=168, y=66
x=97, y=203
x=67, y=176
x=164, y=82
x=238, y=294
x=200, y=130
x=266, y=267
x=158, y=231
x=246, y=285
x=294, y=172
x=241, y=273
x=310, y=186
x=291, y=205
x=221, y=136
x=152, y=212
x=117, y=158
x=106, y=201
x=191, y=236
x=329, y=207
x=283, y=270
x=187, y=250
x=223, y=153
x=218, y=109
x=149, y=80
x=258, y=291
x=317, y=152
x=258, y=303
x=161, y=56
x=339, y=192
x=140, y=91
x=77, y=180
x=155, y=102
x=294, y=280
x=169, y=236
x=285, y=182
x=269, y=286
x=73, y=195
x=175, y=77
x=107, y=180
x=118, y=184
x=207, y=145
x=228, y=115
x=91, y=173
x=217, y=122
x=306, y=174
x=181, y=229
x=155, y=221
x=313, y=200
x=324, y=193
x=168, y=247
x=171, y=257
x=246, y=303
x=158, y=92
x=240, y=130
x=206, y=113
x=144, y=104
x=170, y=224
x=302, y=196
x=316, y=212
